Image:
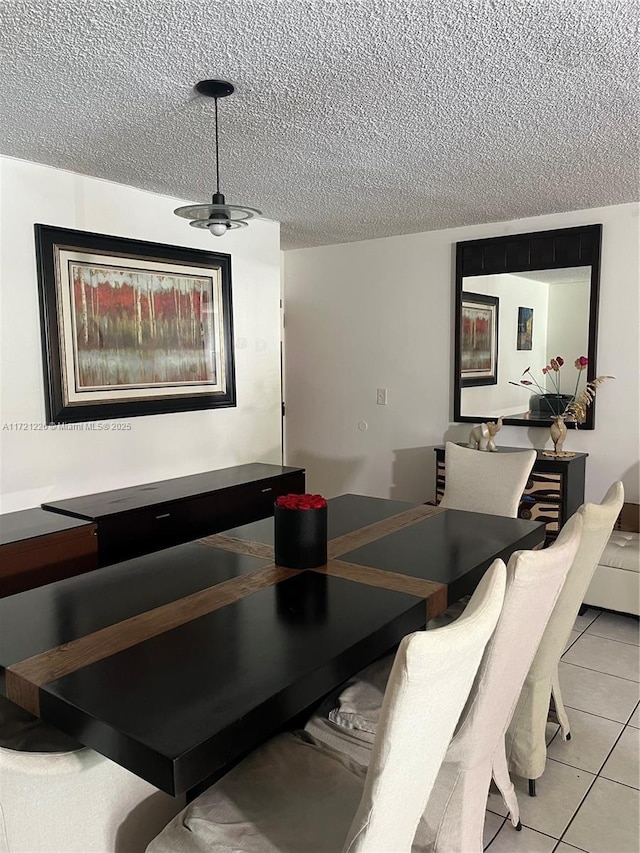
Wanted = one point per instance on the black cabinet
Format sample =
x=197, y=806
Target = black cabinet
x=554, y=490
x=146, y=518
x=38, y=547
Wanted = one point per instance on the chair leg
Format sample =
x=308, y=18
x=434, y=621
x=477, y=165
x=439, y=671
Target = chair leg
x=532, y=787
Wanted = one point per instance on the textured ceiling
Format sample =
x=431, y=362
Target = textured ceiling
x=351, y=119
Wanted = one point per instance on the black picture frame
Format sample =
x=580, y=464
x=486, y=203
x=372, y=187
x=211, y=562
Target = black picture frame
x=524, y=334
x=478, y=353
x=132, y=328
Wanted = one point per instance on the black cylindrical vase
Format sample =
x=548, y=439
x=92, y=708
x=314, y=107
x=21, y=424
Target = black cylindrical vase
x=300, y=537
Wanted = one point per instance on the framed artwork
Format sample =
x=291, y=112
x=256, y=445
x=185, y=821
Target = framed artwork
x=478, y=340
x=525, y=328
x=132, y=328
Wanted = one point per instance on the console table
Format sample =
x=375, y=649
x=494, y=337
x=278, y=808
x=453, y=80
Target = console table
x=38, y=547
x=554, y=490
x=141, y=519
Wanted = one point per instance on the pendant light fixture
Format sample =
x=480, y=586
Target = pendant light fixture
x=218, y=216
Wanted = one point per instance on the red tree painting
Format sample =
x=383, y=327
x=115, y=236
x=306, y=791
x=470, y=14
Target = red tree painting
x=137, y=328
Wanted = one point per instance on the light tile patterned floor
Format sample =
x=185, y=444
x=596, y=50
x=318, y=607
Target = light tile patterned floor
x=588, y=798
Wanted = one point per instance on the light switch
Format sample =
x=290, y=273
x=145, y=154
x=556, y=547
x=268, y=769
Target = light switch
x=381, y=398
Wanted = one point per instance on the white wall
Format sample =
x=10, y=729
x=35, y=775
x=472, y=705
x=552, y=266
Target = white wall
x=568, y=299
x=512, y=292
x=45, y=464
x=379, y=313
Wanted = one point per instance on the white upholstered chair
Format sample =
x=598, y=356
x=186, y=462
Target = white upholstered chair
x=475, y=481
x=56, y=795
x=486, y=482
x=299, y=796
x=454, y=817
x=525, y=741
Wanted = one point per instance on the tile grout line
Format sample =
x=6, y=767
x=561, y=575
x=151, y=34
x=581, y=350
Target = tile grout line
x=609, y=756
x=539, y=831
x=610, y=674
x=571, y=645
x=596, y=777
x=579, y=806
x=636, y=706
x=600, y=637
x=600, y=716
x=622, y=784
x=556, y=733
x=568, y=845
x=498, y=831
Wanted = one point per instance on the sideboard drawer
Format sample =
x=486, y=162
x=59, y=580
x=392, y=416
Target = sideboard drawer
x=549, y=512
x=124, y=535
x=545, y=485
x=181, y=521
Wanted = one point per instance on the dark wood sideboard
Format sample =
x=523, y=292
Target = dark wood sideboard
x=141, y=519
x=554, y=490
x=38, y=547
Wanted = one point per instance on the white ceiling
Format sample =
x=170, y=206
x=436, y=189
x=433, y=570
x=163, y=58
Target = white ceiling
x=352, y=119
x=566, y=275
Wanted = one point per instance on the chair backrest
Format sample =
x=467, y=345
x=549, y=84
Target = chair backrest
x=534, y=581
x=429, y=683
x=597, y=524
x=481, y=481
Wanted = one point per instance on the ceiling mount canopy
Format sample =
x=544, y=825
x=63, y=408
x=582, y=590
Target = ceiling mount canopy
x=218, y=216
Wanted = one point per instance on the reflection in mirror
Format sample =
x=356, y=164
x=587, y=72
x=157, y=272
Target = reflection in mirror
x=521, y=301
x=540, y=315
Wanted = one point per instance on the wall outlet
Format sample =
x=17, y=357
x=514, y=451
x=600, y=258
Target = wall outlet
x=381, y=397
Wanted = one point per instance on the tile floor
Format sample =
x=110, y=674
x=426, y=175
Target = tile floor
x=588, y=798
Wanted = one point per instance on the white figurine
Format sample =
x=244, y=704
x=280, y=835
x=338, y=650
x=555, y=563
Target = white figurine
x=482, y=436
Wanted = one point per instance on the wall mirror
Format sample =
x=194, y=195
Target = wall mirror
x=522, y=300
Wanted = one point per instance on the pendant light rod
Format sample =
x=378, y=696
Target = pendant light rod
x=217, y=157
x=215, y=89
x=219, y=217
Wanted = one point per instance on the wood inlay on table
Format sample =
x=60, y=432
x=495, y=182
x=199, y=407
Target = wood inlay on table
x=176, y=663
x=24, y=678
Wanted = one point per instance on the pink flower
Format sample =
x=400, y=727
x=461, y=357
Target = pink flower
x=545, y=369
x=555, y=364
x=560, y=360
x=581, y=363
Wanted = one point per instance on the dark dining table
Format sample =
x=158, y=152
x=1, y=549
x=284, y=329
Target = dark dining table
x=178, y=663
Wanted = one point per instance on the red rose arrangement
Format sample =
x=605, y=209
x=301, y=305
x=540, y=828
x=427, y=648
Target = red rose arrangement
x=301, y=501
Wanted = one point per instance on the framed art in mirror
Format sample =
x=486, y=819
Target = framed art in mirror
x=132, y=328
x=478, y=340
x=550, y=275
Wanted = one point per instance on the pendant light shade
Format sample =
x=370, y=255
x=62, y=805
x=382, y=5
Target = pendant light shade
x=219, y=217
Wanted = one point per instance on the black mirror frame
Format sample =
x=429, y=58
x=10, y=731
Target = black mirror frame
x=539, y=250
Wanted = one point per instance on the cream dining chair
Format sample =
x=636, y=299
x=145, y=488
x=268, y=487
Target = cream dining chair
x=475, y=481
x=480, y=481
x=526, y=750
x=56, y=795
x=298, y=796
x=454, y=817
